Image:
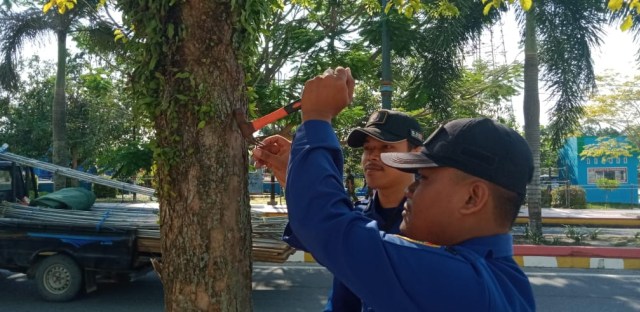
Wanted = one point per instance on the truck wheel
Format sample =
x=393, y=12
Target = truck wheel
x=59, y=278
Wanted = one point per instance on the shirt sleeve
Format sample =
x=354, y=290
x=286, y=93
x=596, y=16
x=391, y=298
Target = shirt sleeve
x=342, y=299
x=388, y=272
x=348, y=244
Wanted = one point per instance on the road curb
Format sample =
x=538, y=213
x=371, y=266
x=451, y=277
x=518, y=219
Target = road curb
x=583, y=257
x=537, y=256
x=602, y=222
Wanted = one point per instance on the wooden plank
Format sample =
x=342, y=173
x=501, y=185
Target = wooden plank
x=263, y=250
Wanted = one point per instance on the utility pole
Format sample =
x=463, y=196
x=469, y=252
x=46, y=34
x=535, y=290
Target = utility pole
x=385, y=84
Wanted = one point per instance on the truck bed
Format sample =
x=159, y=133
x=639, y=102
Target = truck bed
x=139, y=220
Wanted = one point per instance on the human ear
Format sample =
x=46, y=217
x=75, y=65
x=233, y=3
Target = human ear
x=477, y=196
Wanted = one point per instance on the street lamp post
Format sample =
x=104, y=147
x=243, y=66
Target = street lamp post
x=385, y=84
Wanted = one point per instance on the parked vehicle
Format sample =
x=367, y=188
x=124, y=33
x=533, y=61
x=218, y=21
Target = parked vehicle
x=63, y=250
x=68, y=251
x=549, y=181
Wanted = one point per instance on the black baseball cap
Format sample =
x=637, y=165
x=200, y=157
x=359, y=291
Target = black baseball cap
x=480, y=147
x=388, y=126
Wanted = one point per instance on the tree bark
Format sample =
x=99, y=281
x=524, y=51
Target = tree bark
x=60, y=155
x=531, y=111
x=205, y=215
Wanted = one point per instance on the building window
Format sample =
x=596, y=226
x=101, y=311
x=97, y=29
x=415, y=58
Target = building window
x=618, y=174
x=610, y=160
x=624, y=160
x=595, y=160
x=588, y=161
x=618, y=160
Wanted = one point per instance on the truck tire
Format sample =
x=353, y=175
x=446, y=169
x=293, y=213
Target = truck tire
x=59, y=278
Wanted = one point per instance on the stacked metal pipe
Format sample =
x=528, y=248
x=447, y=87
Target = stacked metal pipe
x=143, y=218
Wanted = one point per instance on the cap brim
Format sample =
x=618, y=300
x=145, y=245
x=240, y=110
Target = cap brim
x=357, y=136
x=408, y=162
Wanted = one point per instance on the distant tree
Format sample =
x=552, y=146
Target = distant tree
x=607, y=147
x=615, y=108
x=26, y=119
x=548, y=153
x=19, y=26
x=607, y=185
x=487, y=91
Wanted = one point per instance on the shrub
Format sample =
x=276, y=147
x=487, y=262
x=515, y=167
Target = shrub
x=102, y=191
x=577, y=235
x=577, y=197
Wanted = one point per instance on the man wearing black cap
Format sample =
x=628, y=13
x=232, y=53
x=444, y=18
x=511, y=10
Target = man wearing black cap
x=455, y=252
x=385, y=131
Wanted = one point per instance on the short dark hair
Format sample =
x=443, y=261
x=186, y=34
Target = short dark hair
x=507, y=204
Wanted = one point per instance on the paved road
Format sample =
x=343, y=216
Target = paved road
x=303, y=287
x=566, y=290
x=17, y=294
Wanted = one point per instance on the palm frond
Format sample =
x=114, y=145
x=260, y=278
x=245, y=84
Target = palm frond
x=567, y=30
x=19, y=28
x=444, y=39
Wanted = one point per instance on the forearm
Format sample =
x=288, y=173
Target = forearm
x=348, y=244
x=315, y=164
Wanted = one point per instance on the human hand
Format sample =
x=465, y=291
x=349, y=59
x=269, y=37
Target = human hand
x=274, y=154
x=326, y=95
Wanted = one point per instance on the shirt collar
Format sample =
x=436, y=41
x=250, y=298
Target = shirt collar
x=495, y=246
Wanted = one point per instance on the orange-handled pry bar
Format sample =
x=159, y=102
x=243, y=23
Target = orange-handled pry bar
x=276, y=115
x=249, y=127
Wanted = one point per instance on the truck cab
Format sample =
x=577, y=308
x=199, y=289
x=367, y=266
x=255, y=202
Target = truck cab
x=12, y=185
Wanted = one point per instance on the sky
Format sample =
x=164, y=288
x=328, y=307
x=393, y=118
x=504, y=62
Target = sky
x=616, y=54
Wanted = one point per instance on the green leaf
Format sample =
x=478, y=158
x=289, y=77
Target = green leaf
x=628, y=22
x=201, y=124
x=152, y=62
x=170, y=30
x=526, y=4
x=487, y=8
x=615, y=5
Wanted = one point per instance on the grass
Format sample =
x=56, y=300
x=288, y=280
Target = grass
x=612, y=206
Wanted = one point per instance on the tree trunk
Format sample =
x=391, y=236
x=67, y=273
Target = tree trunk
x=531, y=111
x=59, y=113
x=202, y=168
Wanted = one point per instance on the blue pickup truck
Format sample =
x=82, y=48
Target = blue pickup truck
x=65, y=258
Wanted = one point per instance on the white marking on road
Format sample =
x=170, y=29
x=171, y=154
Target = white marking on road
x=539, y=261
x=533, y=274
x=602, y=263
x=583, y=274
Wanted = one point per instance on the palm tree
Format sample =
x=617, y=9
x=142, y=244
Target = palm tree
x=32, y=24
x=558, y=35
x=439, y=48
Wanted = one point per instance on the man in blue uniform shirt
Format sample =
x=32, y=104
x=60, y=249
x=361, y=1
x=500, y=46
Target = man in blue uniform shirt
x=455, y=252
x=385, y=131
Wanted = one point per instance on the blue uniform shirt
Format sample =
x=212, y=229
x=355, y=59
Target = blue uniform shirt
x=341, y=299
x=476, y=275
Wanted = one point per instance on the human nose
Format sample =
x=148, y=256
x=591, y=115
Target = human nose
x=372, y=154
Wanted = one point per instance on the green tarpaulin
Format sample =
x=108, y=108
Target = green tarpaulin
x=74, y=198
